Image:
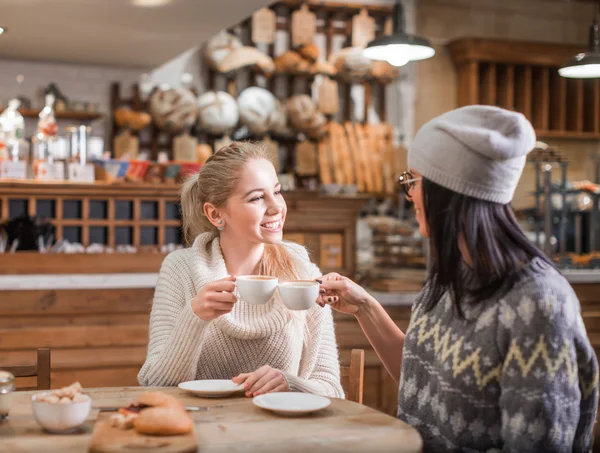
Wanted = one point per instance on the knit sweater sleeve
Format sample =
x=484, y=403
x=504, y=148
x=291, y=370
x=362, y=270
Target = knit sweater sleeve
x=175, y=331
x=549, y=378
x=320, y=366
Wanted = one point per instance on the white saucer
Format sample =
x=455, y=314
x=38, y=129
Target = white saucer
x=211, y=388
x=291, y=403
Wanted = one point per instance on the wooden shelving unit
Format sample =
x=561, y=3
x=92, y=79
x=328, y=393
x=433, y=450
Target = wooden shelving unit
x=523, y=76
x=66, y=115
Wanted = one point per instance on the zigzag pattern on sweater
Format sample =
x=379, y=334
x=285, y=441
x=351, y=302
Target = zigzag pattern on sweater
x=444, y=348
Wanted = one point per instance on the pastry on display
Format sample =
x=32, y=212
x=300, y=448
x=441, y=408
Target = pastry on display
x=384, y=72
x=219, y=46
x=309, y=51
x=218, y=112
x=154, y=413
x=257, y=107
x=280, y=122
x=174, y=109
x=351, y=64
x=324, y=68
x=246, y=56
x=305, y=118
x=291, y=62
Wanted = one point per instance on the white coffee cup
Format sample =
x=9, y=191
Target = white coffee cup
x=256, y=289
x=299, y=294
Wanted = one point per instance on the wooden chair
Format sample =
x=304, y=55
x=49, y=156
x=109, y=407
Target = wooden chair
x=41, y=370
x=352, y=376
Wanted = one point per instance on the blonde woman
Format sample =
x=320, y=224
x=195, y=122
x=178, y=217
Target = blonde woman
x=234, y=213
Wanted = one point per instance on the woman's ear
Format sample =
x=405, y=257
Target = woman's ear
x=212, y=214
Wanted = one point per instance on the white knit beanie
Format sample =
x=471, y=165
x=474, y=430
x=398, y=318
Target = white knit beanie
x=478, y=151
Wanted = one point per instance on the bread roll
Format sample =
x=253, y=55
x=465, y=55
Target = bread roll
x=159, y=399
x=301, y=109
x=219, y=46
x=163, y=421
x=279, y=121
x=288, y=62
x=351, y=63
x=257, y=106
x=323, y=67
x=309, y=51
x=218, y=112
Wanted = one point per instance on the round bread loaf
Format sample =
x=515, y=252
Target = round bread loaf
x=279, y=121
x=163, y=421
x=219, y=46
x=173, y=109
x=257, y=106
x=301, y=109
x=218, y=112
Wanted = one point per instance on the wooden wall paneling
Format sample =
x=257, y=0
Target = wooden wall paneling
x=523, y=90
x=558, y=102
x=506, y=86
x=541, y=98
x=487, y=92
x=105, y=319
x=591, y=105
x=574, y=110
x=468, y=90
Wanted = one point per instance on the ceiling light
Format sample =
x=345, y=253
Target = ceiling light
x=150, y=3
x=585, y=65
x=2, y=30
x=399, y=47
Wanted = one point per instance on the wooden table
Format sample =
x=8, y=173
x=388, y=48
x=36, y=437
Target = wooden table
x=231, y=424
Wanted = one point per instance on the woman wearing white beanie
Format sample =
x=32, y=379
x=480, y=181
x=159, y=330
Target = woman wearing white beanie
x=496, y=356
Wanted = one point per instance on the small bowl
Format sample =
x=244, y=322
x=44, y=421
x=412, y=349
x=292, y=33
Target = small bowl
x=60, y=418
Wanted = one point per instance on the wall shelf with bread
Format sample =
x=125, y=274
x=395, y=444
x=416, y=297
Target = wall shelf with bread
x=285, y=76
x=523, y=76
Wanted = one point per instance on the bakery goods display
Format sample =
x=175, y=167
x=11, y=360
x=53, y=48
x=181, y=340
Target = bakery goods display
x=246, y=56
x=257, y=108
x=218, y=112
x=173, y=109
x=219, y=47
x=351, y=64
x=305, y=117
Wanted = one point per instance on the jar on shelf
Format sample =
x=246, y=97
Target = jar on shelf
x=7, y=386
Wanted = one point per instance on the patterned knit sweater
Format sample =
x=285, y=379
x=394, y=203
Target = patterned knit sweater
x=517, y=375
x=183, y=347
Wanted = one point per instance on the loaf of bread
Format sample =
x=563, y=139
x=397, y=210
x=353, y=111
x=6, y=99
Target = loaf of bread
x=163, y=421
x=257, y=106
x=173, y=109
x=218, y=112
x=219, y=46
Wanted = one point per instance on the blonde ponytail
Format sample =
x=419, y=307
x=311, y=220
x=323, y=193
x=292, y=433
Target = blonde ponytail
x=214, y=183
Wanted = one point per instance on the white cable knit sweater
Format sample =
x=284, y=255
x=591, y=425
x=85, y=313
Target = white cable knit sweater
x=183, y=347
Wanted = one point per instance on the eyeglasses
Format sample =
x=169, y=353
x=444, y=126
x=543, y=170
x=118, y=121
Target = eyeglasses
x=407, y=181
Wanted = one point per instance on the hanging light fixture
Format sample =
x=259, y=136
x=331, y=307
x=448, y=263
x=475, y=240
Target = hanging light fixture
x=399, y=48
x=585, y=65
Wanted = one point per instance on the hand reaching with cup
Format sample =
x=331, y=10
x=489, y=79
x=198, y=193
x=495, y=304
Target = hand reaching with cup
x=215, y=299
x=342, y=294
x=263, y=380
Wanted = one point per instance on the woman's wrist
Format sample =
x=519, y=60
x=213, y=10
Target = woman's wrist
x=367, y=307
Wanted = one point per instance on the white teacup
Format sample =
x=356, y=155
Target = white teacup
x=299, y=294
x=256, y=289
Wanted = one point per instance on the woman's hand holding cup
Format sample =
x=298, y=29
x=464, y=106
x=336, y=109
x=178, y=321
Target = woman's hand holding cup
x=342, y=294
x=215, y=299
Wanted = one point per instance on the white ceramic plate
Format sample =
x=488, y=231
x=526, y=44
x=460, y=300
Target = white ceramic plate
x=211, y=388
x=291, y=403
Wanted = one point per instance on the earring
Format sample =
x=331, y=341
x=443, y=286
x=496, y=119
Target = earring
x=221, y=227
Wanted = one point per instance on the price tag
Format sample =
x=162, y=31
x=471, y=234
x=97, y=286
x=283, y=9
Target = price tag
x=13, y=170
x=184, y=148
x=304, y=26
x=363, y=29
x=45, y=171
x=263, y=26
x=329, y=98
x=82, y=173
x=306, y=159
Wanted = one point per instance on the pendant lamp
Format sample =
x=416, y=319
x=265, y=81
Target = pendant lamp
x=399, y=48
x=585, y=65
